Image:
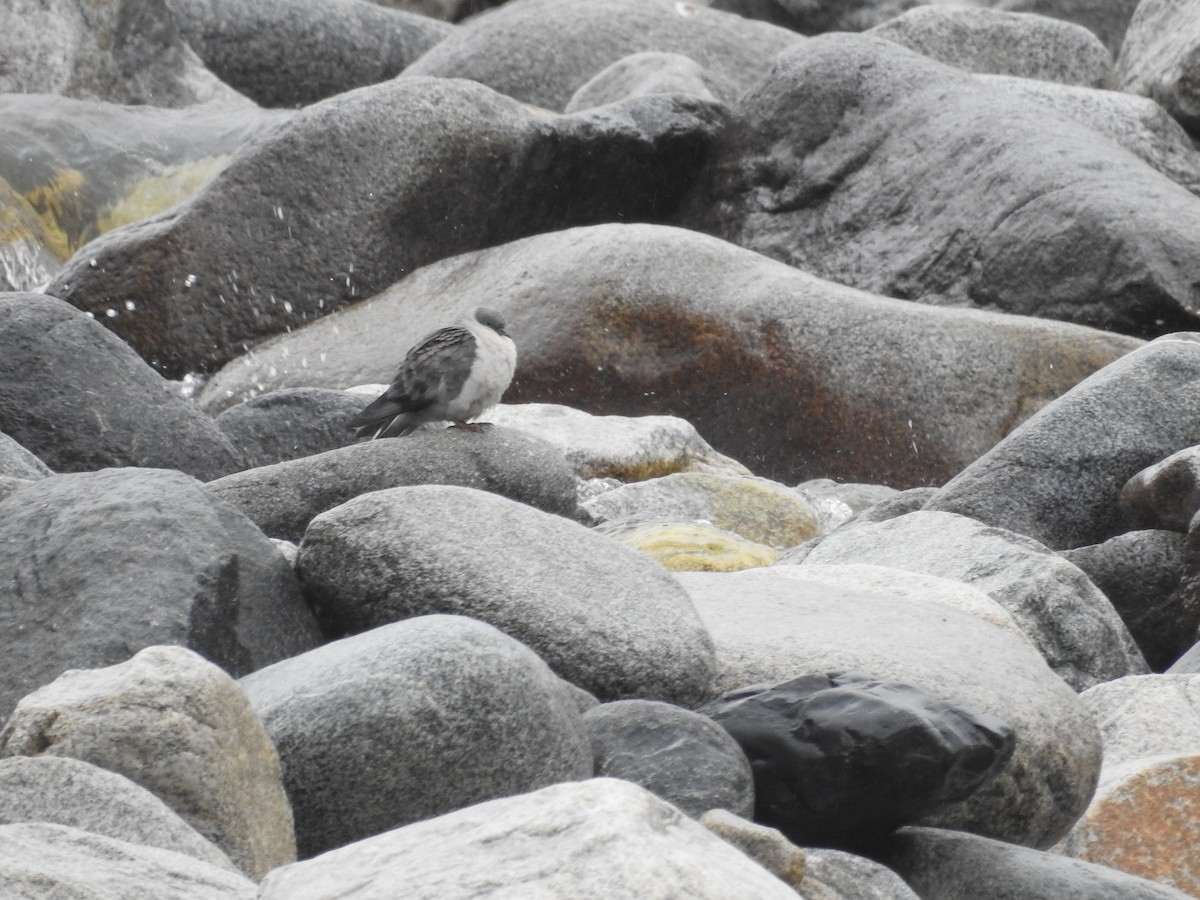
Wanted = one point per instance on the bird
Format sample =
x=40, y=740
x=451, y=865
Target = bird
x=453, y=374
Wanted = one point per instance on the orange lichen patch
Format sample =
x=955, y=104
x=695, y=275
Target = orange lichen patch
x=154, y=193
x=1145, y=820
x=695, y=547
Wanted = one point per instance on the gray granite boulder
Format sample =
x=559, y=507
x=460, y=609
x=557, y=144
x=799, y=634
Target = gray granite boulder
x=290, y=424
x=1002, y=43
x=543, y=51
x=352, y=193
x=650, y=72
x=602, y=616
x=1058, y=477
x=769, y=628
x=1072, y=623
x=599, y=838
x=1165, y=494
x=413, y=720
x=123, y=51
x=17, y=462
x=283, y=498
x=38, y=860
x=774, y=367
x=1146, y=715
x=102, y=564
x=1003, y=206
x=181, y=728
x=131, y=417
x=837, y=875
x=679, y=755
x=292, y=52
x=949, y=865
x=60, y=790
x=1160, y=58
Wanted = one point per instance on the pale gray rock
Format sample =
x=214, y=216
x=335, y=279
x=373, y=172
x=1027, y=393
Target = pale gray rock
x=60, y=790
x=1070, y=622
x=1002, y=43
x=837, y=875
x=1188, y=664
x=1160, y=57
x=602, y=838
x=1146, y=715
x=543, y=51
x=1165, y=494
x=907, y=501
x=17, y=462
x=948, y=865
x=182, y=729
x=1058, y=477
x=731, y=339
x=650, y=72
x=602, y=616
x=290, y=424
x=766, y=846
x=681, y=756
x=1107, y=19
x=769, y=628
x=413, y=720
x=283, y=498
x=39, y=861
x=102, y=564
x=10, y=485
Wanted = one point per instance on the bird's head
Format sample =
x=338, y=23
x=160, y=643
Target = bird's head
x=491, y=319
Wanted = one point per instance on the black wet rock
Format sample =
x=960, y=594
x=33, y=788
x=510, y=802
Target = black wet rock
x=283, y=498
x=290, y=424
x=680, y=755
x=844, y=759
x=76, y=396
x=99, y=565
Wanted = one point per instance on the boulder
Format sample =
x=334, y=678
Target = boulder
x=766, y=846
x=1002, y=43
x=846, y=876
x=1069, y=620
x=1058, y=477
x=543, y=51
x=599, y=838
x=182, y=729
x=679, y=755
x=836, y=504
x=771, y=365
x=1165, y=494
x=1160, y=58
x=102, y=564
x=292, y=53
x=60, y=790
x=132, y=417
x=844, y=759
x=650, y=72
x=862, y=162
x=290, y=424
x=769, y=628
x=476, y=714
x=352, y=193
x=689, y=546
x=602, y=616
x=1146, y=716
x=283, y=498
x=17, y=462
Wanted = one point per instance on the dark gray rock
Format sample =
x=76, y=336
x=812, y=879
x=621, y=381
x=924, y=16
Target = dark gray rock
x=80, y=399
x=905, y=502
x=1002, y=43
x=772, y=366
x=844, y=876
x=38, y=860
x=1058, y=477
x=770, y=628
x=283, y=498
x=1140, y=573
x=1160, y=58
x=603, y=616
x=845, y=759
x=818, y=170
x=1069, y=620
x=413, y=720
x=60, y=790
x=1165, y=494
x=352, y=193
x=101, y=564
x=679, y=755
x=291, y=53
x=543, y=51
x=17, y=462
x=650, y=72
x=290, y=424
x=123, y=51
x=949, y=865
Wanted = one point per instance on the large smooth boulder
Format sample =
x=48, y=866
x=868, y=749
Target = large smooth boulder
x=603, y=616
x=543, y=51
x=54, y=355
x=770, y=628
x=599, y=838
x=1058, y=477
x=99, y=565
x=773, y=366
x=354, y=192
x=1161, y=57
x=290, y=424
x=1001, y=207
x=414, y=720
x=181, y=728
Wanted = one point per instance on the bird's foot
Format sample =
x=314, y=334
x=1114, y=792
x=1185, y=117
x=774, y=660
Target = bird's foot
x=472, y=426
